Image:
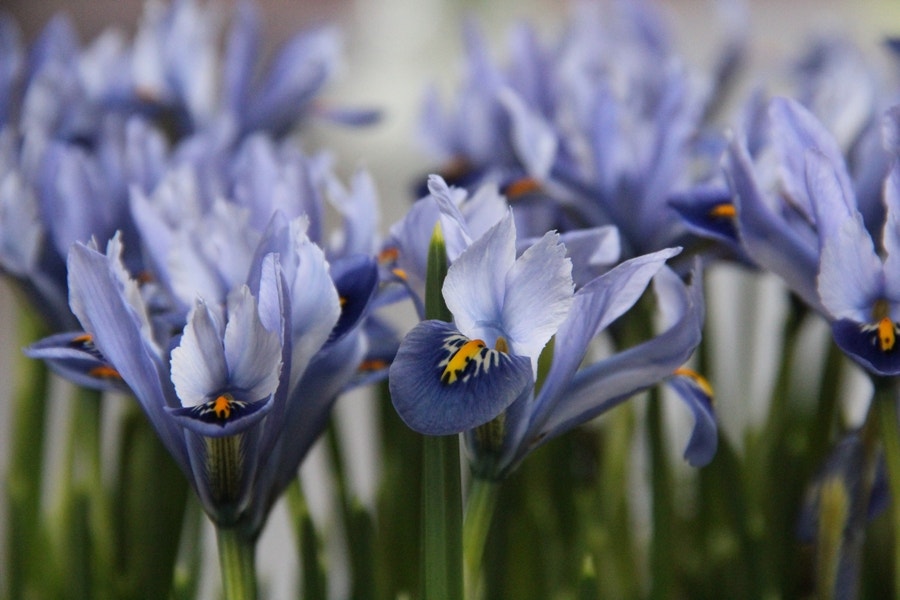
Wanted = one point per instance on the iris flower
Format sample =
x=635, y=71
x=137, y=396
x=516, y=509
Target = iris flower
x=857, y=279
x=226, y=395
x=478, y=374
x=600, y=125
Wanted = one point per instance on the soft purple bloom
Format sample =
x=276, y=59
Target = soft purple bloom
x=477, y=374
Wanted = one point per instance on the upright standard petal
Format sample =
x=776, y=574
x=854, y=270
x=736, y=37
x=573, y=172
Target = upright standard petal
x=252, y=353
x=198, y=363
x=538, y=297
x=475, y=286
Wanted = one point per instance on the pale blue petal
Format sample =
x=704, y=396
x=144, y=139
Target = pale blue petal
x=602, y=385
x=850, y=272
x=240, y=56
x=475, y=285
x=199, y=368
x=453, y=225
x=795, y=131
x=704, y=440
x=890, y=130
x=539, y=292
x=484, y=209
x=271, y=302
x=592, y=251
x=831, y=202
x=891, y=234
x=533, y=138
x=315, y=306
x=96, y=299
x=595, y=306
x=252, y=353
x=411, y=237
x=851, y=276
x=770, y=241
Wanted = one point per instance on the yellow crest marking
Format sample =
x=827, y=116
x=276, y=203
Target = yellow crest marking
x=887, y=334
x=222, y=406
x=461, y=359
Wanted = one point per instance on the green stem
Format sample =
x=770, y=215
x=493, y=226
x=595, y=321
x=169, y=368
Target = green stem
x=236, y=560
x=479, y=512
x=663, y=545
x=84, y=503
x=28, y=565
x=886, y=403
x=314, y=578
x=442, y=564
x=442, y=525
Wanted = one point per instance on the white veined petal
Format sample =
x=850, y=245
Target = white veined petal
x=475, y=284
x=253, y=354
x=539, y=292
x=198, y=363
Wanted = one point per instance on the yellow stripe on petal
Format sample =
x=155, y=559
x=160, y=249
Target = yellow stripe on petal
x=460, y=360
x=698, y=379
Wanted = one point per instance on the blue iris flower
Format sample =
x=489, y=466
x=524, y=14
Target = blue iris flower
x=478, y=374
x=857, y=278
x=466, y=217
x=240, y=391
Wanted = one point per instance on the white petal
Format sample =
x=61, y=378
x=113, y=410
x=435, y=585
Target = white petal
x=539, y=292
x=198, y=363
x=475, y=284
x=253, y=354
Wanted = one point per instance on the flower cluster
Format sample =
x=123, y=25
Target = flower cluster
x=163, y=218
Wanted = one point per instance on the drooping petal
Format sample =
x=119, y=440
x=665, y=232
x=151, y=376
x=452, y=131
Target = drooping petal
x=74, y=356
x=862, y=342
x=474, y=288
x=222, y=416
x=96, y=299
x=356, y=280
x=442, y=382
x=701, y=447
x=199, y=368
x=538, y=297
x=594, y=307
x=709, y=212
x=598, y=387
